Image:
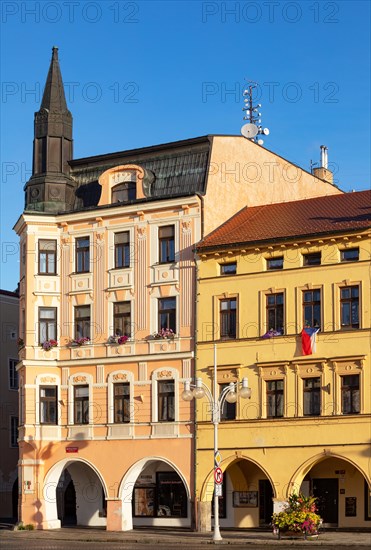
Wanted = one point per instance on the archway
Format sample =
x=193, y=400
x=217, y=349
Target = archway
x=247, y=499
x=154, y=493
x=341, y=489
x=74, y=494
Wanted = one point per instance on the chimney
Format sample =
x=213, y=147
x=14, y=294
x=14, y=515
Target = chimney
x=322, y=172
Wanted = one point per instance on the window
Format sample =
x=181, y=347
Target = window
x=13, y=374
x=166, y=401
x=312, y=308
x=228, y=269
x=47, y=324
x=274, y=306
x=14, y=431
x=349, y=255
x=349, y=307
x=82, y=255
x=275, y=398
x=275, y=263
x=81, y=405
x=350, y=394
x=228, y=411
x=47, y=257
x=82, y=322
x=312, y=396
x=312, y=259
x=121, y=402
x=166, y=243
x=48, y=404
x=122, y=318
x=167, y=497
x=167, y=314
x=228, y=318
x=124, y=192
x=122, y=249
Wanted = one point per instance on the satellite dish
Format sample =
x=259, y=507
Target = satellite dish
x=249, y=130
x=266, y=131
x=260, y=142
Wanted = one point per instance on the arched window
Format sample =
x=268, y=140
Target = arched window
x=124, y=192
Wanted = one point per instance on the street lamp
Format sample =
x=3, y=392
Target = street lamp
x=229, y=394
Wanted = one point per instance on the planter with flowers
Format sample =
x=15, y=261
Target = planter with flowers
x=298, y=518
x=164, y=334
x=49, y=344
x=80, y=341
x=120, y=340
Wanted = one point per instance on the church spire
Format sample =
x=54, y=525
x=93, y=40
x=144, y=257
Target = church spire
x=50, y=188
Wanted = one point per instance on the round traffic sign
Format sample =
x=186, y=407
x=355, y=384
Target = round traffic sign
x=218, y=476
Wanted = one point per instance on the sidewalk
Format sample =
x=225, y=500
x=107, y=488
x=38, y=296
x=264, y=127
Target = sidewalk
x=175, y=536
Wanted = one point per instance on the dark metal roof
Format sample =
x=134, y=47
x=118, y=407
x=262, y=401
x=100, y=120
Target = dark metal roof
x=179, y=168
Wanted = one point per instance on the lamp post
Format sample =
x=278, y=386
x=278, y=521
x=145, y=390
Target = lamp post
x=229, y=394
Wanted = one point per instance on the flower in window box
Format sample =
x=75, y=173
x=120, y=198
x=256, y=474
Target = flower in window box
x=80, y=341
x=164, y=333
x=122, y=340
x=49, y=344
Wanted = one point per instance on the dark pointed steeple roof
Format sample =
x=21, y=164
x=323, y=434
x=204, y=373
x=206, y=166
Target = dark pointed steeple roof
x=51, y=188
x=54, y=99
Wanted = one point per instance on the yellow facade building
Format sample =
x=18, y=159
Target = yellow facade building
x=263, y=276
x=107, y=293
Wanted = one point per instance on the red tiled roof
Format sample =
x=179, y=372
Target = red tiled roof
x=321, y=215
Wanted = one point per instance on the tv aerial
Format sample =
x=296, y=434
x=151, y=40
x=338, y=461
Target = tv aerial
x=252, y=129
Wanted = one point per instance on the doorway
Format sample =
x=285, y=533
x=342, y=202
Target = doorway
x=265, y=502
x=326, y=491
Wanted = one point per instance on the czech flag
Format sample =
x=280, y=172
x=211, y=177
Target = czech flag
x=308, y=340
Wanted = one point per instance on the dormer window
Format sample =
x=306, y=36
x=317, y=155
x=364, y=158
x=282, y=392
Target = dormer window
x=124, y=192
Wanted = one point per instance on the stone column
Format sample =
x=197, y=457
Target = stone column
x=114, y=515
x=204, y=517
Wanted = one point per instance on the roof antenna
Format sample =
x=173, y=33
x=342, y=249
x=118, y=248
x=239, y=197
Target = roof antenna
x=253, y=128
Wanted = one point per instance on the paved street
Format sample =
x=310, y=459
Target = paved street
x=142, y=539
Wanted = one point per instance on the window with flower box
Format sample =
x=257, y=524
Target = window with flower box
x=166, y=314
x=47, y=324
x=122, y=318
x=82, y=322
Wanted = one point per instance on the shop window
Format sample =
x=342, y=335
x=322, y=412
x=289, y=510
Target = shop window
x=81, y=404
x=312, y=396
x=47, y=324
x=228, y=327
x=228, y=269
x=121, y=402
x=274, y=312
x=82, y=255
x=82, y=322
x=228, y=411
x=166, y=497
x=122, y=249
x=275, y=398
x=122, y=318
x=47, y=257
x=124, y=192
x=349, y=307
x=167, y=314
x=48, y=405
x=275, y=263
x=349, y=255
x=166, y=243
x=13, y=374
x=350, y=399
x=166, y=400
x=312, y=308
x=314, y=258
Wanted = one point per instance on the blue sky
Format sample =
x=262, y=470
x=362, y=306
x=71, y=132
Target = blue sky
x=143, y=73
